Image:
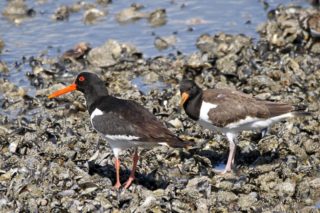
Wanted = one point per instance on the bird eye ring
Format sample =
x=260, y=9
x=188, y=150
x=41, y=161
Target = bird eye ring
x=81, y=78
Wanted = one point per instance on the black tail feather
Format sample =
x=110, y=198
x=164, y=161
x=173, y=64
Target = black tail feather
x=276, y=109
x=181, y=143
x=300, y=110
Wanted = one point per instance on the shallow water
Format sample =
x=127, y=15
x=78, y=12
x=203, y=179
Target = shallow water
x=145, y=87
x=220, y=166
x=41, y=34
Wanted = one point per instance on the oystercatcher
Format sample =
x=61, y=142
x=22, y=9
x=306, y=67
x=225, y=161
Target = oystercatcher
x=231, y=112
x=124, y=123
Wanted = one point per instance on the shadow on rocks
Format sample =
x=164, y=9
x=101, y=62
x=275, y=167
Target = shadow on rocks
x=151, y=181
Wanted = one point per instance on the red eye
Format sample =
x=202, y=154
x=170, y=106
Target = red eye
x=81, y=78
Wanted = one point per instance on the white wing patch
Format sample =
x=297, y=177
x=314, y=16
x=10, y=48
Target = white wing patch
x=242, y=122
x=95, y=113
x=204, y=110
x=250, y=123
x=122, y=137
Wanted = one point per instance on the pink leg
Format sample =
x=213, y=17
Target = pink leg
x=117, y=165
x=232, y=152
x=134, y=166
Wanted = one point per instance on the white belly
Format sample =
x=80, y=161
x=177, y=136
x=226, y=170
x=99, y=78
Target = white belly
x=118, y=143
x=246, y=124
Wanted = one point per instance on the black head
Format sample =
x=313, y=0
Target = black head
x=188, y=89
x=87, y=81
x=191, y=98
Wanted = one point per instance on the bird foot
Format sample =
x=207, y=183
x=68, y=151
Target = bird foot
x=221, y=172
x=117, y=185
x=128, y=182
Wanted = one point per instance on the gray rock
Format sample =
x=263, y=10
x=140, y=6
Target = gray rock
x=286, y=189
x=226, y=197
x=227, y=64
x=164, y=42
x=13, y=146
x=246, y=202
x=109, y=53
x=92, y=15
x=131, y=14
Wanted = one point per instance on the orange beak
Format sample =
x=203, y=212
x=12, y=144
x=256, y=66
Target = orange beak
x=65, y=90
x=184, y=98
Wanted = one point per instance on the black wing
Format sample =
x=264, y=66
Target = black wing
x=233, y=106
x=125, y=117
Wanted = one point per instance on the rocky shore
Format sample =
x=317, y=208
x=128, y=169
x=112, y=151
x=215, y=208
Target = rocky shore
x=51, y=160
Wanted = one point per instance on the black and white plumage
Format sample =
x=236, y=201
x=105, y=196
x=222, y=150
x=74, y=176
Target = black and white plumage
x=231, y=112
x=124, y=123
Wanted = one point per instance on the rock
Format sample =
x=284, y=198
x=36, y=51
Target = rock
x=3, y=67
x=314, y=25
x=286, y=189
x=1, y=48
x=227, y=64
x=104, y=202
x=147, y=203
x=109, y=53
x=3, y=203
x=17, y=10
x=246, y=202
x=62, y=13
x=104, y=2
x=13, y=146
x=158, y=17
x=15, y=7
x=310, y=209
x=92, y=15
x=315, y=183
x=176, y=123
x=201, y=184
x=268, y=181
x=224, y=185
x=180, y=207
x=151, y=77
x=202, y=206
x=225, y=197
x=106, y=55
x=263, y=96
x=78, y=52
x=197, y=60
x=8, y=175
x=68, y=192
x=131, y=14
x=162, y=43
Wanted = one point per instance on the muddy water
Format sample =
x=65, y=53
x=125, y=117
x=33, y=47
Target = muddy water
x=187, y=19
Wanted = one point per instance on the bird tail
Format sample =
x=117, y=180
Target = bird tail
x=179, y=143
x=277, y=109
x=300, y=110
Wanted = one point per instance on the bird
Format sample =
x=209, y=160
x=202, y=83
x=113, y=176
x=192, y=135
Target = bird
x=230, y=112
x=123, y=123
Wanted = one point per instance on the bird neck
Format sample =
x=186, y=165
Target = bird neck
x=192, y=106
x=94, y=94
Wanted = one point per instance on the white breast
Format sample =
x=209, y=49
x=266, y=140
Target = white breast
x=95, y=113
x=204, y=110
x=204, y=117
x=122, y=137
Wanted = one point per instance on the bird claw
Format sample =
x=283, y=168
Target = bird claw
x=128, y=182
x=222, y=172
x=117, y=185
